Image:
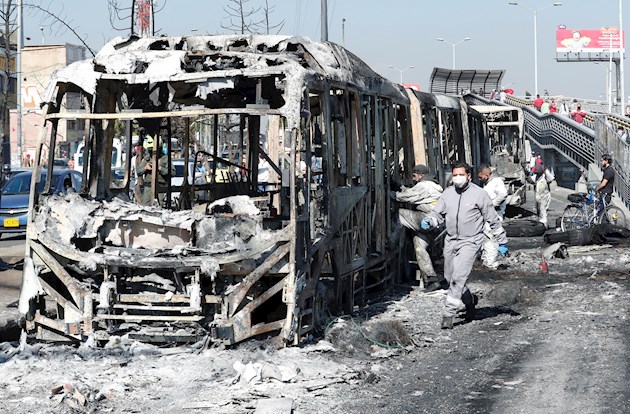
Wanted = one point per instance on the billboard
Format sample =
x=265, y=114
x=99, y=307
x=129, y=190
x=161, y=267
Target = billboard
x=597, y=41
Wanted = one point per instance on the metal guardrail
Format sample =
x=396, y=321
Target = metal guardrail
x=608, y=142
x=588, y=105
x=589, y=119
x=582, y=144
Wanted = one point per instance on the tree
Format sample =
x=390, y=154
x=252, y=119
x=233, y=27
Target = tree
x=56, y=20
x=267, y=10
x=51, y=18
x=240, y=16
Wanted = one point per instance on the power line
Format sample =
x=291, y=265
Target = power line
x=305, y=14
x=332, y=15
x=298, y=13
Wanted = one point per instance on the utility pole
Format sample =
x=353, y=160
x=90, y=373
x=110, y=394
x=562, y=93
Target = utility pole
x=324, y=20
x=18, y=69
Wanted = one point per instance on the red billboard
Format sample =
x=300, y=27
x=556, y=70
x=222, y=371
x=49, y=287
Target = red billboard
x=602, y=40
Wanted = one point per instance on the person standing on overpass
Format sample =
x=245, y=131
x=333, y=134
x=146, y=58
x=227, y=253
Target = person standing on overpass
x=538, y=102
x=465, y=207
x=578, y=115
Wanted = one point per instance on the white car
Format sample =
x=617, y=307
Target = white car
x=178, y=179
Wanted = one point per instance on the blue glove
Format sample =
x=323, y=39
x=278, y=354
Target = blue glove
x=503, y=250
x=426, y=224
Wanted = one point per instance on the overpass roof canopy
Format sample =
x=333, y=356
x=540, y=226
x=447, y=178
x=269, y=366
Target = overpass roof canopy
x=452, y=81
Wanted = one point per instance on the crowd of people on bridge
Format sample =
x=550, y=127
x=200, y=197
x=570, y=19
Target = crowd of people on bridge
x=573, y=110
x=547, y=105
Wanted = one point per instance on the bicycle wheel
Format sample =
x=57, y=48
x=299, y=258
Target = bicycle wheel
x=572, y=218
x=615, y=216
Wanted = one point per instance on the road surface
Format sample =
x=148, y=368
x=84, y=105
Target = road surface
x=541, y=343
x=11, y=252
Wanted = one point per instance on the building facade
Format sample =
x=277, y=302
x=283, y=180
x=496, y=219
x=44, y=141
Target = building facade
x=38, y=64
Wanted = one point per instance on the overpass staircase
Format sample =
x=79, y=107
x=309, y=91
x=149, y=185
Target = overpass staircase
x=582, y=144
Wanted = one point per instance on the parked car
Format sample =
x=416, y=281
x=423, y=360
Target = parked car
x=15, y=194
x=10, y=172
x=60, y=162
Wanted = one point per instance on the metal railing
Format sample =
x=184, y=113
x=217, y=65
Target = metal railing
x=588, y=105
x=609, y=142
x=589, y=119
x=582, y=144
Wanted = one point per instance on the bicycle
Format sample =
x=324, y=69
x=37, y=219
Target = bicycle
x=589, y=209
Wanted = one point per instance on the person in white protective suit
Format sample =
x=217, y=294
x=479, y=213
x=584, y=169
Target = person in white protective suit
x=542, y=179
x=495, y=187
x=419, y=201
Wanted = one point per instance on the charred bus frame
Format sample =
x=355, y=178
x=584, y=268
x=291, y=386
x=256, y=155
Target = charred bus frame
x=253, y=258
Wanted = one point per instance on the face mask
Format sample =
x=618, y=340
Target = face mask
x=460, y=180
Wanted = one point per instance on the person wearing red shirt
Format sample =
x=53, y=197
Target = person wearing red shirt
x=538, y=102
x=578, y=115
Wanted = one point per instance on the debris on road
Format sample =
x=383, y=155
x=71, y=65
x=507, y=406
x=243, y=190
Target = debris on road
x=274, y=406
x=558, y=250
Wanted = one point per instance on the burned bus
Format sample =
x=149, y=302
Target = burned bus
x=297, y=142
x=447, y=130
x=500, y=132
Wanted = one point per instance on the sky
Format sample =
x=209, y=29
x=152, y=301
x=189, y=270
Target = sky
x=399, y=33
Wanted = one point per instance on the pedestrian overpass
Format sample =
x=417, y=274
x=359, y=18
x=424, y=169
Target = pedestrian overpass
x=580, y=145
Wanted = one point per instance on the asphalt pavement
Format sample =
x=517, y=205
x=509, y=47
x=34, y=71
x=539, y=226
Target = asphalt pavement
x=11, y=253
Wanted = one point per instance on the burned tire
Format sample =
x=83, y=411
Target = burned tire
x=573, y=237
x=611, y=234
x=524, y=228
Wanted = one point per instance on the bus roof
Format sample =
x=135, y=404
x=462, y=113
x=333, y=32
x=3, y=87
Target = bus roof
x=214, y=62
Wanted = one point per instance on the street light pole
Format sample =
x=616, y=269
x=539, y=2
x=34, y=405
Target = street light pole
x=441, y=39
x=622, y=106
x=536, y=53
x=608, y=88
x=324, y=20
x=401, y=71
x=20, y=42
x=535, y=11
